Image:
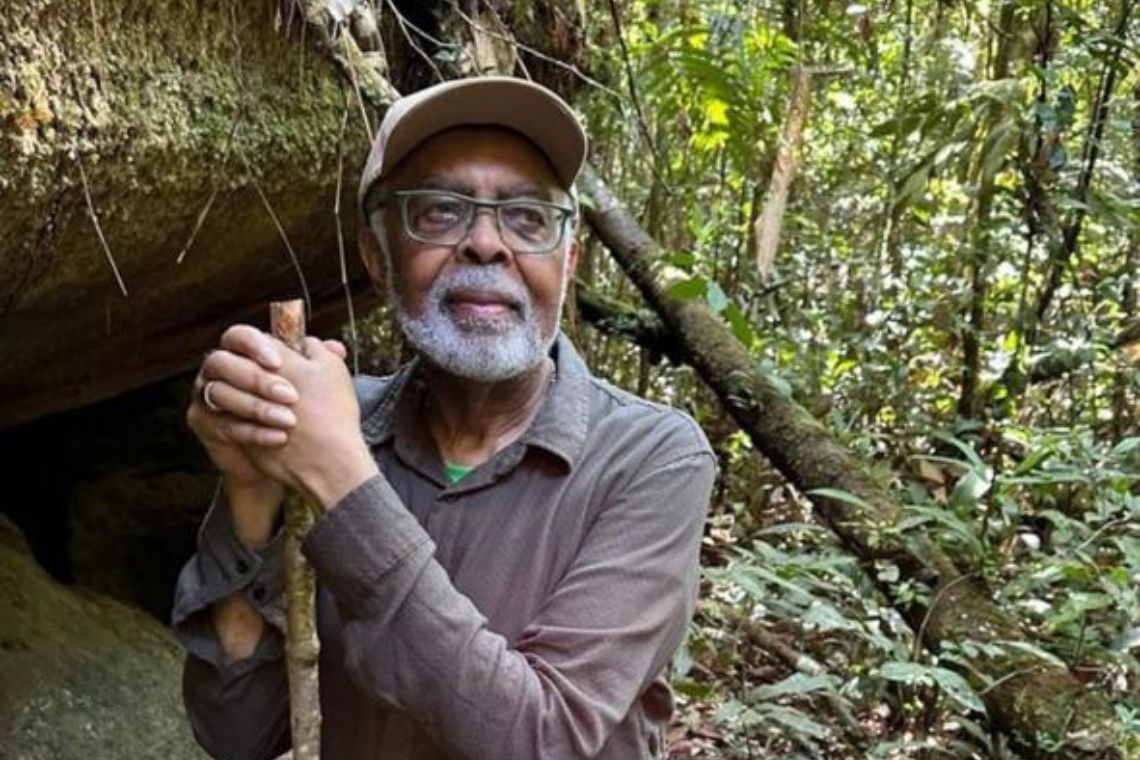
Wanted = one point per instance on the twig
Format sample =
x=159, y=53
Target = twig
x=214, y=191
x=354, y=80
x=632, y=84
x=96, y=29
x=302, y=646
x=99, y=229
x=930, y=610
x=514, y=43
x=539, y=54
x=284, y=237
x=197, y=226
x=403, y=23
x=340, y=244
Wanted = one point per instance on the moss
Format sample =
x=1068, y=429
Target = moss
x=161, y=100
x=84, y=677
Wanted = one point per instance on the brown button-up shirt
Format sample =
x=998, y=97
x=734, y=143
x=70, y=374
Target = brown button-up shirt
x=527, y=611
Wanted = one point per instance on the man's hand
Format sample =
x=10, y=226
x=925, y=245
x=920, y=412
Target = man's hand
x=252, y=407
x=251, y=403
x=325, y=456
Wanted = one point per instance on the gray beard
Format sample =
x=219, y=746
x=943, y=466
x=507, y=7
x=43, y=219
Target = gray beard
x=484, y=350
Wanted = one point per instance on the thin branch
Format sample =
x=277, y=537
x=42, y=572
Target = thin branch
x=98, y=228
x=613, y=317
x=340, y=244
x=284, y=238
x=403, y=23
x=631, y=82
x=197, y=226
x=538, y=54
x=771, y=220
x=205, y=212
x=95, y=28
x=1089, y=155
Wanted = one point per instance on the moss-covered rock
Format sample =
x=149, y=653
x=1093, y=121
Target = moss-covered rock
x=174, y=122
x=82, y=676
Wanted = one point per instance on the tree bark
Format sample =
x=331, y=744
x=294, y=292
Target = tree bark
x=979, y=241
x=612, y=317
x=1028, y=697
x=1070, y=235
x=1056, y=364
x=771, y=220
x=302, y=647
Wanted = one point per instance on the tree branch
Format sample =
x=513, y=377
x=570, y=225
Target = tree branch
x=771, y=220
x=1025, y=695
x=612, y=317
x=1089, y=154
x=1056, y=364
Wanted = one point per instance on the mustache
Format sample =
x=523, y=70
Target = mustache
x=483, y=278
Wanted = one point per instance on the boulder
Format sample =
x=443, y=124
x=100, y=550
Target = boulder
x=81, y=675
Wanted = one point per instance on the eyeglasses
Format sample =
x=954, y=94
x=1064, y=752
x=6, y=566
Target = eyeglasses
x=438, y=217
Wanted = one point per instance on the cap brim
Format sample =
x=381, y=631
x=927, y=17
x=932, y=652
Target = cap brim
x=529, y=109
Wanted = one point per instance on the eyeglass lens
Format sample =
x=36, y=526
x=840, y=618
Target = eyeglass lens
x=445, y=219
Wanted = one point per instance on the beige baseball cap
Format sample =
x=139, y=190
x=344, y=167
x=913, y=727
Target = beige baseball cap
x=528, y=108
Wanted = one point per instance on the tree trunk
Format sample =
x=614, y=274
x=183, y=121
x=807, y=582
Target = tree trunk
x=1026, y=695
x=979, y=237
x=771, y=219
x=1070, y=235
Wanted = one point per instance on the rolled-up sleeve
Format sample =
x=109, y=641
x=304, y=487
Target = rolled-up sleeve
x=416, y=644
x=237, y=709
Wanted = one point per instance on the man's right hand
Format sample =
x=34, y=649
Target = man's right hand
x=251, y=408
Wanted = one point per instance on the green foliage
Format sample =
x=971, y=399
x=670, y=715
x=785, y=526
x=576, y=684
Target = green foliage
x=922, y=162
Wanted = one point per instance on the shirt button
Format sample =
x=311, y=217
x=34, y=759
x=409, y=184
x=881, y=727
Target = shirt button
x=242, y=567
x=259, y=592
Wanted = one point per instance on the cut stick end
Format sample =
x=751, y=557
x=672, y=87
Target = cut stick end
x=287, y=321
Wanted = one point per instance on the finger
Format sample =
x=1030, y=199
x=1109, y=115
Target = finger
x=320, y=351
x=314, y=348
x=336, y=347
x=249, y=407
x=254, y=344
x=244, y=433
x=246, y=375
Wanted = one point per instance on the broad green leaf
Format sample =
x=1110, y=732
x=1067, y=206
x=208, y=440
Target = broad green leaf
x=958, y=689
x=825, y=617
x=796, y=720
x=970, y=487
x=844, y=496
x=715, y=297
x=740, y=325
x=1124, y=448
x=684, y=290
x=906, y=672
x=1037, y=651
x=795, y=684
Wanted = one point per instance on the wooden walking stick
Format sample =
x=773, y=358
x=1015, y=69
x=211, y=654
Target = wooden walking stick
x=287, y=322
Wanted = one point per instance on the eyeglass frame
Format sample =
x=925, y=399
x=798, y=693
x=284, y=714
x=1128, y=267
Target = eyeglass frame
x=402, y=196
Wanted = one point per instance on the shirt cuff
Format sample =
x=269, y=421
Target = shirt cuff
x=223, y=566
x=365, y=536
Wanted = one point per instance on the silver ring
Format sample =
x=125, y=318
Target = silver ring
x=209, y=402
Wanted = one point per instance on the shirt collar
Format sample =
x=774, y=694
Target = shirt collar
x=559, y=427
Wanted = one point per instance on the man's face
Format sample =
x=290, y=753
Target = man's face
x=478, y=309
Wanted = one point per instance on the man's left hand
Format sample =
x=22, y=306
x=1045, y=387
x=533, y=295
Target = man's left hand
x=325, y=457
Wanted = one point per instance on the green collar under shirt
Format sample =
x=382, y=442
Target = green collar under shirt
x=456, y=472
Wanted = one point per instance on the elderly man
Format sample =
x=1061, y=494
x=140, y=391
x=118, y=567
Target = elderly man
x=507, y=550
